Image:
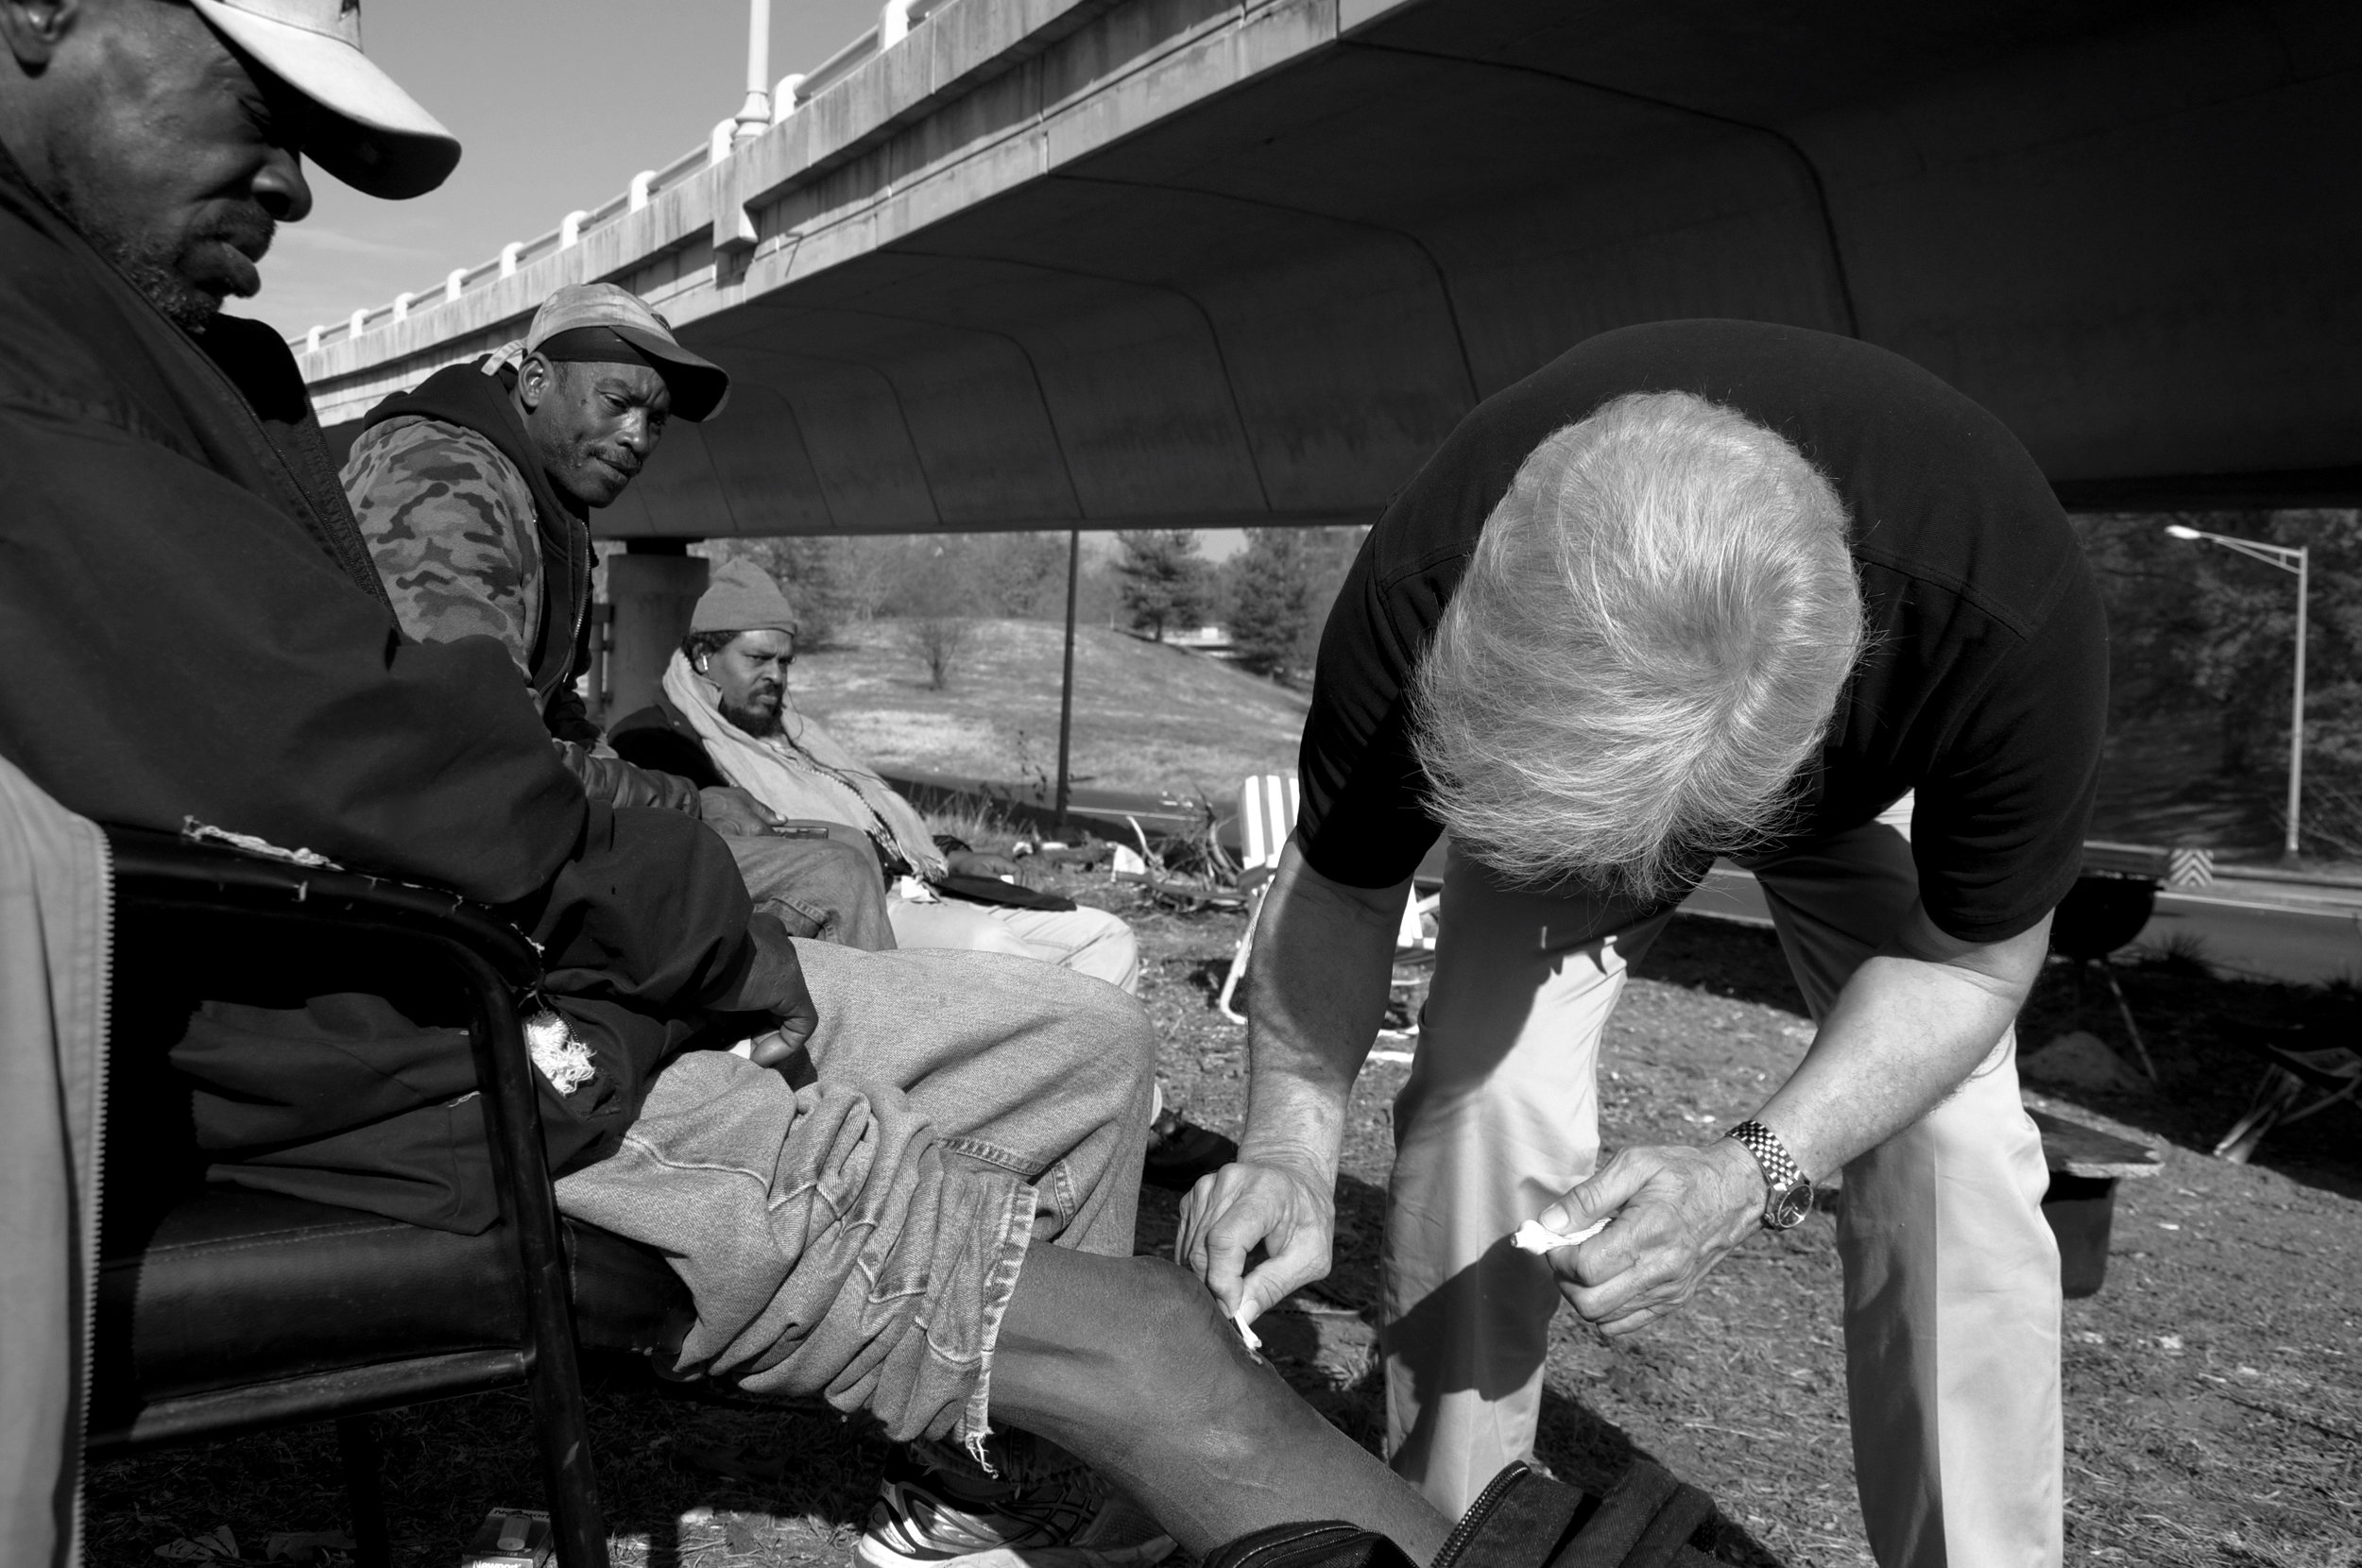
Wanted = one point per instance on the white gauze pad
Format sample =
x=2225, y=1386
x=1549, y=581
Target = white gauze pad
x=1534, y=1237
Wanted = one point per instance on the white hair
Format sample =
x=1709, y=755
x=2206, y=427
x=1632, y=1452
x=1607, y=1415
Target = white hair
x=1656, y=625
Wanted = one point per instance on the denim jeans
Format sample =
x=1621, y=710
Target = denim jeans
x=820, y=879
x=859, y=1238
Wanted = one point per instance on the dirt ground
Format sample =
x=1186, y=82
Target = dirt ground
x=2213, y=1407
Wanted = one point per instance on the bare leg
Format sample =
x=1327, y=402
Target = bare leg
x=1128, y=1363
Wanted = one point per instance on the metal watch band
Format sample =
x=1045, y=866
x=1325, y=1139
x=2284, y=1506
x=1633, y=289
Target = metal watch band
x=1782, y=1175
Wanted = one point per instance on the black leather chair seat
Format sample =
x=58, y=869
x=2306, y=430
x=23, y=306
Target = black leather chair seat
x=233, y=1288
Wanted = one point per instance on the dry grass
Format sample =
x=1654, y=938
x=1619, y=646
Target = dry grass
x=1146, y=717
x=2214, y=1407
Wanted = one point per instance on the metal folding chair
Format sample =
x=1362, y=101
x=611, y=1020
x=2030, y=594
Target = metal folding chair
x=224, y=1310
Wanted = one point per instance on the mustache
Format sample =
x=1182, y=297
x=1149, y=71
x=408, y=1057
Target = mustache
x=242, y=226
x=245, y=225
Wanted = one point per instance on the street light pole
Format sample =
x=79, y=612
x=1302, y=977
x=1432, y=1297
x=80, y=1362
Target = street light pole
x=2298, y=559
x=2295, y=713
x=1065, y=682
x=754, y=115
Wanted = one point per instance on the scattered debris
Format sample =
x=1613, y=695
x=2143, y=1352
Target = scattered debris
x=215, y=1546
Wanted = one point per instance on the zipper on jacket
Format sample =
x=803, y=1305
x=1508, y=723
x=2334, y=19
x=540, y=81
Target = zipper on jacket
x=1473, y=1521
x=102, y=1007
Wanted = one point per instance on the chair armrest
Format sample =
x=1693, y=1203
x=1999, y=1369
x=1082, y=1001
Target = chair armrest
x=500, y=969
x=494, y=962
x=158, y=870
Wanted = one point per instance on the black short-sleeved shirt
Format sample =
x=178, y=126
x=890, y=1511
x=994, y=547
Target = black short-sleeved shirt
x=1985, y=682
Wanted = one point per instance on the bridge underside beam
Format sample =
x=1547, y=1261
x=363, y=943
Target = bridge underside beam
x=1198, y=266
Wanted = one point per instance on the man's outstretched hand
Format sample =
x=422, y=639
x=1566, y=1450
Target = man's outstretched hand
x=1291, y=1212
x=1678, y=1210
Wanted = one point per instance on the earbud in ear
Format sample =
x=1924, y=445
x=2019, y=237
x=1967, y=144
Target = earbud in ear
x=702, y=667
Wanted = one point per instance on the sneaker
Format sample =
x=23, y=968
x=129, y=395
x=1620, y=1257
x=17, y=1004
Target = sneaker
x=1179, y=1151
x=935, y=1517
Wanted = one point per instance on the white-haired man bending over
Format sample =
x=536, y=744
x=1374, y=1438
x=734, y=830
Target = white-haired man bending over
x=1695, y=589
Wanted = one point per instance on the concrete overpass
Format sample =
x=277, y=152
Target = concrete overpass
x=1059, y=263
x=1042, y=264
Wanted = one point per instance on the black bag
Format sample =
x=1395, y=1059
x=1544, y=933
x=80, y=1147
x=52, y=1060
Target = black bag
x=1524, y=1520
x=992, y=889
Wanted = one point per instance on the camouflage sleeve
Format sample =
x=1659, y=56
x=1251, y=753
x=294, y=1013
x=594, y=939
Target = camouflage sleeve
x=449, y=522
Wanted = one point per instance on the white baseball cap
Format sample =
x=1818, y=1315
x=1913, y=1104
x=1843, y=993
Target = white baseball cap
x=370, y=134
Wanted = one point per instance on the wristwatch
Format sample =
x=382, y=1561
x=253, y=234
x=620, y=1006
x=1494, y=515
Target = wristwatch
x=1788, y=1196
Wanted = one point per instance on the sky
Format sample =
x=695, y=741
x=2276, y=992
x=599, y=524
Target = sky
x=556, y=105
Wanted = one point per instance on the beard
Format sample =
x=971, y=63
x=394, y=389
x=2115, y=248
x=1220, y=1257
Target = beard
x=181, y=274
x=761, y=723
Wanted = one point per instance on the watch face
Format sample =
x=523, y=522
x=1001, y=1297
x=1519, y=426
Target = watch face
x=1788, y=1209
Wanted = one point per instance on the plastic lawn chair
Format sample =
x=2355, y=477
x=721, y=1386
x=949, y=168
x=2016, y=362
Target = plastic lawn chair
x=2298, y=1082
x=1268, y=804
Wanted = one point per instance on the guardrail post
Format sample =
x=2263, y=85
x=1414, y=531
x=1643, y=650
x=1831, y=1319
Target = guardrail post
x=453, y=282
x=639, y=184
x=569, y=230
x=894, y=23
x=359, y=323
x=734, y=231
x=401, y=305
x=784, y=99
x=509, y=257
x=312, y=341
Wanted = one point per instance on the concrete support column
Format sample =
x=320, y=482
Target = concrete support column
x=653, y=585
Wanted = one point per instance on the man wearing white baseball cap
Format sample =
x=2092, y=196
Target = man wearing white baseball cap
x=172, y=136
x=366, y=131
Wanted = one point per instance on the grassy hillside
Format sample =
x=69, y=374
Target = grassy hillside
x=1146, y=717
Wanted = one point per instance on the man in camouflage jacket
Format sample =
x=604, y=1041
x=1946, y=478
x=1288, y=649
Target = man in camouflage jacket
x=474, y=491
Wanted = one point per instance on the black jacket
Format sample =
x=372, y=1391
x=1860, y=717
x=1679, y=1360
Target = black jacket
x=192, y=627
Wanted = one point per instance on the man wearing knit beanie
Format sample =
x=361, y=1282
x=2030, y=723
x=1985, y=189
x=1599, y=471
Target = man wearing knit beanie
x=725, y=716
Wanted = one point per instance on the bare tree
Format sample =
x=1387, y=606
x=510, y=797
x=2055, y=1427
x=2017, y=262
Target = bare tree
x=939, y=642
x=868, y=570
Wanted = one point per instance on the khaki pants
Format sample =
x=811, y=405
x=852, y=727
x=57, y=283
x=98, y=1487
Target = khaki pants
x=1087, y=940
x=1951, y=1274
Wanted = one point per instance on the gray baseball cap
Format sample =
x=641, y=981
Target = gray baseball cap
x=603, y=322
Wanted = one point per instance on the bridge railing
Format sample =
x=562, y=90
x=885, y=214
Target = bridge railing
x=792, y=92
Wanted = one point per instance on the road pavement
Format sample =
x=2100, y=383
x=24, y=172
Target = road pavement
x=2306, y=936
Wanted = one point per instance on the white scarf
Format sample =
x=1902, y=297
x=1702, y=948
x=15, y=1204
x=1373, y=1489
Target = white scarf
x=803, y=771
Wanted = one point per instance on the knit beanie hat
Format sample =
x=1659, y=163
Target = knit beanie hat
x=743, y=598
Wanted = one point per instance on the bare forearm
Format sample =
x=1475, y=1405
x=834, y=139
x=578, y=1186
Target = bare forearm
x=1323, y=956
x=1908, y=1028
